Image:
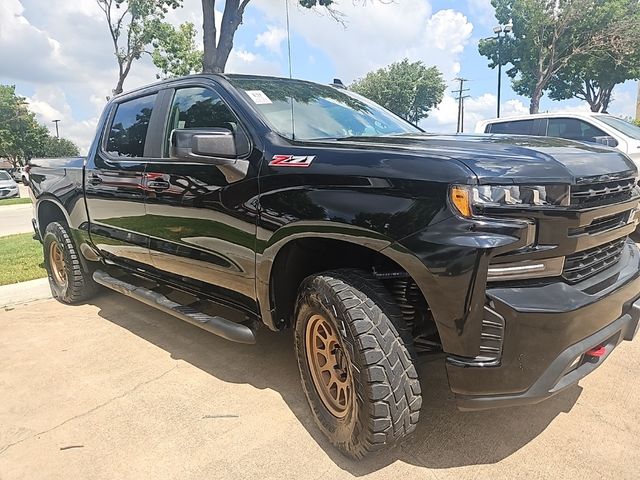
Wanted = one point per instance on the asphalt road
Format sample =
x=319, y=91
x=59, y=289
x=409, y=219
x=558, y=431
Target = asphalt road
x=115, y=389
x=16, y=218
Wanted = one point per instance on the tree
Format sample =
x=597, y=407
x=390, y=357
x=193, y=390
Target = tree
x=174, y=50
x=593, y=78
x=21, y=138
x=551, y=35
x=408, y=89
x=218, y=47
x=58, y=147
x=133, y=25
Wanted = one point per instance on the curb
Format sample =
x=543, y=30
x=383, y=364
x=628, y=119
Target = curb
x=24, y=292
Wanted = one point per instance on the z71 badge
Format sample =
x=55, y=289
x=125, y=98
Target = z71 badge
x=290, y=161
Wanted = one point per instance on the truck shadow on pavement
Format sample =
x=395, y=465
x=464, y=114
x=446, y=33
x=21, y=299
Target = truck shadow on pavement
x=445, y=437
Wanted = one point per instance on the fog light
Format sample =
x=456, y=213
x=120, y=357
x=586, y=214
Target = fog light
x=549, y=267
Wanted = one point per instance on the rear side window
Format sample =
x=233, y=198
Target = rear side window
x=573, y=129
x=515, y=127
x=128, y=130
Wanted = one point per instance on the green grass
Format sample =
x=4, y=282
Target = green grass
x=14, y=201
x=20, y=259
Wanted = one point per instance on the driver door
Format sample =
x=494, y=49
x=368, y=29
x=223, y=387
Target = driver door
x=203, y=223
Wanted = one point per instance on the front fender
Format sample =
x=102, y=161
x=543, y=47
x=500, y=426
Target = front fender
x=449, y=263
x=268, y=250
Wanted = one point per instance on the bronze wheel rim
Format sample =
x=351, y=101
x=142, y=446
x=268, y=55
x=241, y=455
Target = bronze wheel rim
x=56, y=260
x=329, y=367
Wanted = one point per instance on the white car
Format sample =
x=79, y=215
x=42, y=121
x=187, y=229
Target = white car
x=583, y=127
x=8, y=186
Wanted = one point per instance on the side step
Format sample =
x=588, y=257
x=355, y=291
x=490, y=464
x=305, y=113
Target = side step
x=222, y=327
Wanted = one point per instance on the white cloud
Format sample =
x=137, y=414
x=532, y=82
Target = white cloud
x=483, y=12
x=444, y=119
x=62, y=51
x=272, y=39
x=379, y=33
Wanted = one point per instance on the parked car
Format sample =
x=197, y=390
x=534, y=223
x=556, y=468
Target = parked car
x=8, y=186
x=16, y=173
x=237, y=201
x=584, y=127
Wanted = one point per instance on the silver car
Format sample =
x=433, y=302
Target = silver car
x=8, y=186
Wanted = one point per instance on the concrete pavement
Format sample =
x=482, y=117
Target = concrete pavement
x=115, y=389
x=16, y=218
x=24, y=292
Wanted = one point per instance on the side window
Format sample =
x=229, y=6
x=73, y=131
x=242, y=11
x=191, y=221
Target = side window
x=129, y=127
x=573, y=129
x=516, y=127
x=198, y=107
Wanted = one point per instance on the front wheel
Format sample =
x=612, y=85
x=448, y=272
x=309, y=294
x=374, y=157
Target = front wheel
x=69, y=281
x=357, y=371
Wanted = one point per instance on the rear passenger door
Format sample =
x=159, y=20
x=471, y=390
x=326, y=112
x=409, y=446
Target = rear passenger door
x=573, y=129
x=202, y=216
x=114, y=182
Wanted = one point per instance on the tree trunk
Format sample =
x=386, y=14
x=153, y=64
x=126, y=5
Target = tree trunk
x=120, y=85
x=231, y=20
x=216, y=53
x=534, y=107
x=606, y=99
x=209, y=59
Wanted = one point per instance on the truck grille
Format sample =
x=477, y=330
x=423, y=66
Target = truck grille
x=586, y=264
x=602, y=224
x=602, y=193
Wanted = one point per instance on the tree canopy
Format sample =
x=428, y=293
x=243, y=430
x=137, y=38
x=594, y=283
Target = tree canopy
x=408, y=89
x=593, y=78
x=133, y=24
x=552, y=37
x=21, y=137
x=174, y=50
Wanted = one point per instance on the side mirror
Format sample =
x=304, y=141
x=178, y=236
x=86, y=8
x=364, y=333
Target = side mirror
x=204, y=144
x=606, y=140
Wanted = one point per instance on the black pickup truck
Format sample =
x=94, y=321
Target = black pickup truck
x=234, y=201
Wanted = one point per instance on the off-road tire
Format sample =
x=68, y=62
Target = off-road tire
x=79, y=284
x=386, y=390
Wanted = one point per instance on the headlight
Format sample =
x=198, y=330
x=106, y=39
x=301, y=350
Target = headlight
x=473, y=200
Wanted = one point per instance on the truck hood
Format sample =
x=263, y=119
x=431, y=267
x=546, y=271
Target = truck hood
x=516, y=159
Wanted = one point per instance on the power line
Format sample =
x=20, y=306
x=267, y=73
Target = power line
x=461, y=97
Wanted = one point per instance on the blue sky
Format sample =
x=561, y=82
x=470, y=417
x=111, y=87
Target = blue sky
x=58, y=54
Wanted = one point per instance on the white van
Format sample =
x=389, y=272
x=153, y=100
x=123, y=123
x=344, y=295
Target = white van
x=584, y=127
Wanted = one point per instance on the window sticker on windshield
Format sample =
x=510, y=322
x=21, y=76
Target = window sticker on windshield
x=258, y=97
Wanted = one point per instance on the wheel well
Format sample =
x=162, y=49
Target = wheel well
x=303, y=257
x=49, y=212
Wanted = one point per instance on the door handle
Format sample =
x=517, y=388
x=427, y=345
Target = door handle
x=158, y=185
x=94, y=180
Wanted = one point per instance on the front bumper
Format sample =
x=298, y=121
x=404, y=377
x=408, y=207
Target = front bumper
x=545, y=342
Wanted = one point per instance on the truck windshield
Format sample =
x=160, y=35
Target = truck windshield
x=308, y=111
x=629, y=129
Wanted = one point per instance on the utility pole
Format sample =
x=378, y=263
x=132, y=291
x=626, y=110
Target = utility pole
x=638, y=103
x=461, y=97
x=57, y=131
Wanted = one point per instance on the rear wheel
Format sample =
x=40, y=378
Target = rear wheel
x=69, y=281
x=357, y=372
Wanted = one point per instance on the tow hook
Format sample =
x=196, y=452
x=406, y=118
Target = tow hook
x=595, y=354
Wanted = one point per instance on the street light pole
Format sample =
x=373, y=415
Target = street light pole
x=499, y=73
x=57, y=131
x=498, y=31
